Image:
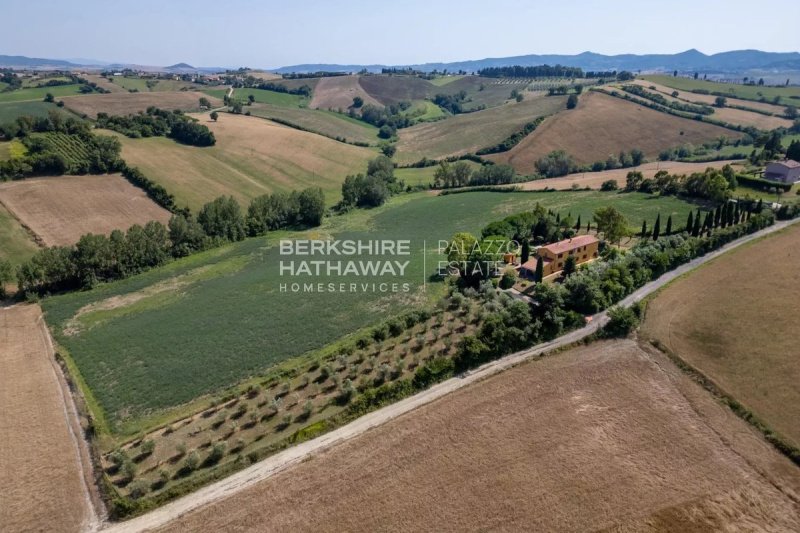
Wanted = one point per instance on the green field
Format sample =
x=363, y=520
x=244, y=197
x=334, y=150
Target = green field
x=34, y=82
x=263, y=96
x=141, y=84
x=22, y=95
x=16, y=245
x=10, y=111
x=745, y=92
x=206, y=322
x=328, y=123
x=444, y=80
x=427, y=110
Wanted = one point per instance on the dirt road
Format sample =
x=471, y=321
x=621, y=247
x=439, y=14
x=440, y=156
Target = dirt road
x=292, y=456
x=43, y=461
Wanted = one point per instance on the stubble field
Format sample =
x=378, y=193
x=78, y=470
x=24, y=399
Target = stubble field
x=735, y=320
x=601, y=437
x=61, y=209
x=130, y=103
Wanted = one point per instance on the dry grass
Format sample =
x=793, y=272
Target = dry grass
x=470, y=132
x=709, y=99
x=337, y=92
x=730, y=115
x=393, y=89
x=131, y=103
x=602, y=125
x=736, y=321
x=601, y=436
x=40, y=476
x=595, y=179
x=103, y=82
x=61, y=209
x=252, y=157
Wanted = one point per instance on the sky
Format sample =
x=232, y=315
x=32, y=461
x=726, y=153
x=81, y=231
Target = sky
x=269, y=34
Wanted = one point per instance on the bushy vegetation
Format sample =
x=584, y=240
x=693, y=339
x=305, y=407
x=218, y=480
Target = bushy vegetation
x=389, y=118
x=56, y=146
x=711, y=184
x=459, y=174
x=451, y=102
x=663, y=101
x=373, y=188
x=159, y=123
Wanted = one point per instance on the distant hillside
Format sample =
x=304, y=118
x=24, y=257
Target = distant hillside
x=34, y=62
x=738, y=60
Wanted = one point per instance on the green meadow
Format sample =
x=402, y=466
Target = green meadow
x=38, y=93
x=745, y=92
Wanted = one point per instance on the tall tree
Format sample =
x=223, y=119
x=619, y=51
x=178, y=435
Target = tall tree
x=611, y=223
x=643, y=234
x=689, y=223
x=657, y=227
x=669, y=225
x=539, y=269
x=570, y=266
x=696, y=228
x=578, y=224
x=526, y=251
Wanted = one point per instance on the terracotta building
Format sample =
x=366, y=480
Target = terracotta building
x=583, y=247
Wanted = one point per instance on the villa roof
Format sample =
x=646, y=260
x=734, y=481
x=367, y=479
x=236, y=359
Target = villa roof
x=570, y=244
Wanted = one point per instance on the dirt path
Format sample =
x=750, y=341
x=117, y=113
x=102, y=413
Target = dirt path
x=292, y=456
x=44, y=465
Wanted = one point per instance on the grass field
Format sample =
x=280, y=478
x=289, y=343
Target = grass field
x=39, y=93
x=441, y=81
x=746, y=92
x=271, y=97
x=40, y=474
x=141, y=84
x=605, y=437
x=469, y=132
x=603, y=125
x=710, y=99
x=252, y=157
x=131, y=103
x=735, y=321
x=393, y=89
x=428, y=110
x=10, y=111
x=16, y=244
x=60, y=209
x=328, y=123
x=206, y=322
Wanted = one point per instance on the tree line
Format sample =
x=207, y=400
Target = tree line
x=157, y=122
x=373, y=188
x=97, y=258
x=540, y=71
x=460, y=174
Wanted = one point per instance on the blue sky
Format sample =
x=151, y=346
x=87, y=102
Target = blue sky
x=271, y=34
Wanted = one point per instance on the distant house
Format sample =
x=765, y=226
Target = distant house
x=583, y=247
x=786, y=171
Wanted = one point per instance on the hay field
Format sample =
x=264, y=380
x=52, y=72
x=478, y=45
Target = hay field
x=103, y=82
x=746, y=92
x=595, y=179
x=40, y=473
x=393, y=89
x=736, y=321
x=328, y=123
x=252, y=157
x=601, y=437
x=603, y=125
x=469, y=132
x=130, y=103
x=61, y=209
x=16, y=244
x=337, y=92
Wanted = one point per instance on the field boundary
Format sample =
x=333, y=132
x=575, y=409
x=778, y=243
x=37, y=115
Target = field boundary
x=285, y=459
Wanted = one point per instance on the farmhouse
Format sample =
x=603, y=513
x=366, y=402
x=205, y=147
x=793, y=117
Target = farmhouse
x=786, y=171
x=583, y=248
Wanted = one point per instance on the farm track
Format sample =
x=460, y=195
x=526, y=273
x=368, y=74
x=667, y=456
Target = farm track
x=292, y=456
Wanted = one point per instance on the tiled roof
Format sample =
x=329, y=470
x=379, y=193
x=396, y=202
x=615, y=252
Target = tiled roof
x=570, y=244
x=788, y=163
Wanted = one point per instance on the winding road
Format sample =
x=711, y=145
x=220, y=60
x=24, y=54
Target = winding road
x=283, y=460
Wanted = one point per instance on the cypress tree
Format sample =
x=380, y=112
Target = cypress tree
x=657, y=227
x=558, y=218
x=588, y=226
x=539, y=270
x=643, y=235
x=578, y=224
x=730, y=214
x=696, y=228
x=669, y=225
x=526, y=251
x=760, y=205
x=708, y=223
x=689, y=223
x=737, y=214
x=717, y=216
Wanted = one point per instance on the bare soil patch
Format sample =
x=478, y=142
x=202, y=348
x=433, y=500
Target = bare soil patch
x=602, y=125
x=61, y=209
x=40, y=464
x=599, y=437
x=595, y=179
x=130, y=103
x=337, y=92
x=736, y=321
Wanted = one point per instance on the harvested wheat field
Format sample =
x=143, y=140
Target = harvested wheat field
x=604, y=436
x=130, y=103
x=41, y=464
x=594, y=180
x=103, y=83
x=602, y=125
x=735, y=320
x=61, y=209
x=709, y=99
x=252, y=157
x=337, y=92
x=469, y=132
